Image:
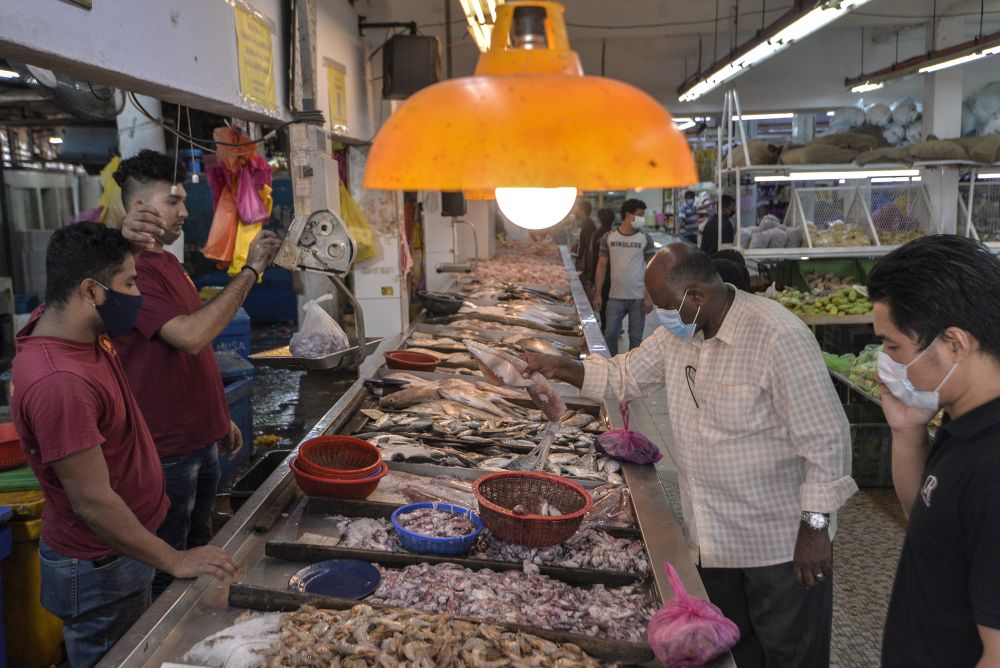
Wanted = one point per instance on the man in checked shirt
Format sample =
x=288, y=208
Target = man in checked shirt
x=762, y=448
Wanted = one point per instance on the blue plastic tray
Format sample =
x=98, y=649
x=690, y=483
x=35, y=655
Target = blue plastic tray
x=343, y=578
x=449, y=547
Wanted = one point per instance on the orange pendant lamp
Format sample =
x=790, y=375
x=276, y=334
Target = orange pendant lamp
x=531, y=127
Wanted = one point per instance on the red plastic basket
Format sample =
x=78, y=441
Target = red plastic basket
x=11, y=455
x=339, y=457
x=498, y=493
x=332, y=488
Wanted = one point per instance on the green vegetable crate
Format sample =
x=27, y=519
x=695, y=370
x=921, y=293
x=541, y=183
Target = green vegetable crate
x=871, y=445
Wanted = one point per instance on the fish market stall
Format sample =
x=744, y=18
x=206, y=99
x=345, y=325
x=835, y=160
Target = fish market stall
x=441, y=438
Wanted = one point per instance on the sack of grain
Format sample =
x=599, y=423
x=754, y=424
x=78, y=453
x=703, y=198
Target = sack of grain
x=817, y=154
x=894, y=134
x=981, y=149
x=905, y=112
x=761, y=153
x=857, y=141
x=937, y=149
x=883, y=155
x=879, y=115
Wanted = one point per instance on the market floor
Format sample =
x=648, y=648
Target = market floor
x=866, y=549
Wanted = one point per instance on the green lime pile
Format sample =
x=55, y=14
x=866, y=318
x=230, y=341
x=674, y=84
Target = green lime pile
x=843, y=301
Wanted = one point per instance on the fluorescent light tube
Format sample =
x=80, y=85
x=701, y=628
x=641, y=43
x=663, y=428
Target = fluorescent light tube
x=805, y=25
x=891, y=179
x=763, y=117
x=990, y=175
x=9, y=74
x=867, y=86
x=836, y=176
x=686, y=126
x=831, y=113
x=55, y=140
x=961, y=60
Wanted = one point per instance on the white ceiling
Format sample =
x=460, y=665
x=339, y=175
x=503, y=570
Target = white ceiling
x=653, y=44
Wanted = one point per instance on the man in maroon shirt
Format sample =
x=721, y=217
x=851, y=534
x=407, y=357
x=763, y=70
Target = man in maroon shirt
x=168, y=355
x=87, y=442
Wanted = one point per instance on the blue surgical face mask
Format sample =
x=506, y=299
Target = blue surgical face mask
x=119, y=311
x=671, y=319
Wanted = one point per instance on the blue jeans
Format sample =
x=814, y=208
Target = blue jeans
x=96, y=604
x=191, y=484
x=617, y=310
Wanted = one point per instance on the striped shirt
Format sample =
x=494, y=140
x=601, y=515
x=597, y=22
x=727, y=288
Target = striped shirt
x=759, y=434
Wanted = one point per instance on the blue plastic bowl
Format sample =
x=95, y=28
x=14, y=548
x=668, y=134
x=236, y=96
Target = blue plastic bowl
x=449, y=547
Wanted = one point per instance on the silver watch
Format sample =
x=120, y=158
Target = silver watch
x=817, y=521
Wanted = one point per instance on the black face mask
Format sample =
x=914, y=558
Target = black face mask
x=119, y=311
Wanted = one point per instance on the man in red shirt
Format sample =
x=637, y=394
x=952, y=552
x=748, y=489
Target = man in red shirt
x=87, y=442
x=168, y=355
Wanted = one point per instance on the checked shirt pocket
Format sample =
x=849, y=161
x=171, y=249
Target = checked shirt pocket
x=735, y=409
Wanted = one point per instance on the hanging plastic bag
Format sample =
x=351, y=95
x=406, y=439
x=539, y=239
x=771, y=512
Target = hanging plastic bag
x=689, y=631
x=630, y=446
x=222, y=235
x=320, y=335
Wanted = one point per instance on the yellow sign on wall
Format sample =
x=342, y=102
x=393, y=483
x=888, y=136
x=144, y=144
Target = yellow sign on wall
x=336, y=77
x=253, y=46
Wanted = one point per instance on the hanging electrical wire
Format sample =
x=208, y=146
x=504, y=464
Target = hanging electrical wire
x=309, y=117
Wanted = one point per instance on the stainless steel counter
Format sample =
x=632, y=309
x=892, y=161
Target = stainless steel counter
x=191, y=610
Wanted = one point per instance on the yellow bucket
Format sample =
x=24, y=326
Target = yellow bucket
x=34, y=635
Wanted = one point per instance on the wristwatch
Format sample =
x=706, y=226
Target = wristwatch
x=817, y=521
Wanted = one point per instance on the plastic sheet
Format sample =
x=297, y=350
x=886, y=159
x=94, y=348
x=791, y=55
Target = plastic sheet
x=689, y=631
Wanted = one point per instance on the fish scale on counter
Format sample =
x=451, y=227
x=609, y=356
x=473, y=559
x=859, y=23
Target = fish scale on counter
x=588, y=548
x=520, y=597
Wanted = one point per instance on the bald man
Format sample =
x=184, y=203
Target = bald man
x=761, y=443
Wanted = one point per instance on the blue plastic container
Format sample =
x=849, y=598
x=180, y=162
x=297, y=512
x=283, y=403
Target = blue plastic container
x=448, y=547
x=192, y=160
x=233, y=367
x=25, y=302
x=235, y=338
x=239, y=396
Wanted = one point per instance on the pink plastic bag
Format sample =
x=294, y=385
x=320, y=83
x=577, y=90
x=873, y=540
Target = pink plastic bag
x=689, y=631
x=630, y=446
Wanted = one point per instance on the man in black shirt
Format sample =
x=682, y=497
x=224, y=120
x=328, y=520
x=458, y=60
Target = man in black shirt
x=937, y=311
x=710, y=235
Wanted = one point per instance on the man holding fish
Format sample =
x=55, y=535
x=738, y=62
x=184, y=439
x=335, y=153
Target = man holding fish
x=761, y=443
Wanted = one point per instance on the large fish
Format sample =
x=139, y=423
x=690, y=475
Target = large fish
x=535, y=344
x=409, y=396
x=501, y=368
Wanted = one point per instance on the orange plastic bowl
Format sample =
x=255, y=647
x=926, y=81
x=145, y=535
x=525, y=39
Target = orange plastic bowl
x=11, y=455
x=405, y=360
x=343, y=457
x=333, y=488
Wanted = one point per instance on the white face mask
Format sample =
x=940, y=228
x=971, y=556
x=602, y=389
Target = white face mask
x=896, y=378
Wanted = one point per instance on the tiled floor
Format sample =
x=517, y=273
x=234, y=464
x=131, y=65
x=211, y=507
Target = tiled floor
x=866, y=549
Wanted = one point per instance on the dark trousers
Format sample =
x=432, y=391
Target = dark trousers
x=782, y=624
x=191, y=484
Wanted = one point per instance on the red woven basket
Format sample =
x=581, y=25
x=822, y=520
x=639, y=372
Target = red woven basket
x=498, y=493
x=339, y=457
x=331, y=488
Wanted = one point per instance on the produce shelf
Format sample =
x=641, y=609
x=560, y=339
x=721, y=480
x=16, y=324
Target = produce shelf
x=833, y=320
x=854, y=386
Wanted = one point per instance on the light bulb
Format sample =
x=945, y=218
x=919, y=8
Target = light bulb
x=535, y=208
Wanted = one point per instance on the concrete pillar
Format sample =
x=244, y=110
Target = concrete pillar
x=136, y=132
x=943, y=92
